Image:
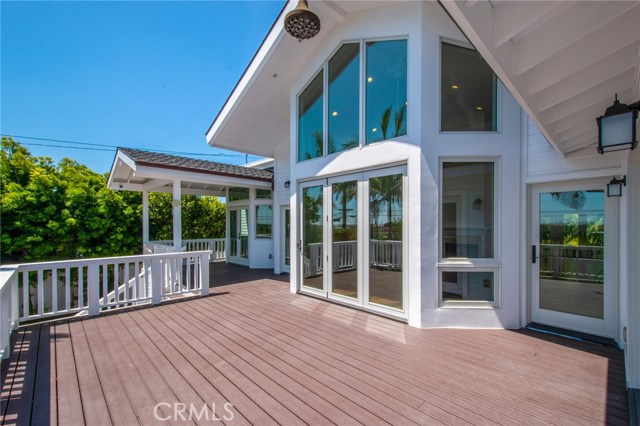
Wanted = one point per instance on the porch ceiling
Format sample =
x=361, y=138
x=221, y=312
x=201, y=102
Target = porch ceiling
x=562, y=60
x=255, y=117
x=136, y=170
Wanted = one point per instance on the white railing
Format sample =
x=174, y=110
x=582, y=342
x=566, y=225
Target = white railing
x=572, y=263
x=383, y=254
x=215, y=245
x=345, y=255
x=37, y=291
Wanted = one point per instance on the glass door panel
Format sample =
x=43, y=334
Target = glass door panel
x=312, y=237
x=239, y=235
x=244, y=233
x=385, y=241
x=344, y=239
x=287, y=238
x=572, y=252
x=233, y=233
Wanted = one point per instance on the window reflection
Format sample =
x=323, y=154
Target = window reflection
x=386, y=89
x=345, y=238
x=385, y=241
x=310, y=139
x=344, y=98
x=312, y=237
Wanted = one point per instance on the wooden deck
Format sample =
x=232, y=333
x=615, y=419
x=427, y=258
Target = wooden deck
x=281, y=358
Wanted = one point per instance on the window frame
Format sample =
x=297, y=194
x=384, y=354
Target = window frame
x=497, y=94
x=482, y=264
x=324, y=68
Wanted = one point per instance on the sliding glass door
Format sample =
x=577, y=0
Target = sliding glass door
x=352, y=227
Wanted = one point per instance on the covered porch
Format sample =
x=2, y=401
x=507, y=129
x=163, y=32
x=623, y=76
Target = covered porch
x=277, y=357
x=147, y=172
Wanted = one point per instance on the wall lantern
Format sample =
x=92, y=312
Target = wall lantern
x=477, y=204
x=287, y=184
x=617, y=127
x=614, y=188
x=302, y=23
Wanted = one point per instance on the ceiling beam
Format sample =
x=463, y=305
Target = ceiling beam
x=582, y=29
x=155, y=183
x=515, y=17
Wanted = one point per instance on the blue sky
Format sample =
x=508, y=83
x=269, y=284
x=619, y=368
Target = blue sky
x=150, y=74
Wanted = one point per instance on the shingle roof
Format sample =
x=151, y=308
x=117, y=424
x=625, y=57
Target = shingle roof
x=175, y=162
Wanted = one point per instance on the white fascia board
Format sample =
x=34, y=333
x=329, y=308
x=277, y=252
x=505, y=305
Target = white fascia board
x=187, y=176
x=455, y=10
x=257, y=63
x=135, y=187
x=117, y=162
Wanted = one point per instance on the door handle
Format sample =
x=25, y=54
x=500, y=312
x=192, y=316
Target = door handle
x=534, y=257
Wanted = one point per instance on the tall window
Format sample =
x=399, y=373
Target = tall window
x=384, y=101
x=310, y=139
x=467, y=209
x=344, y=72
x=264, y=221
x=468, y=91
x=386, y=93
x=468, y=222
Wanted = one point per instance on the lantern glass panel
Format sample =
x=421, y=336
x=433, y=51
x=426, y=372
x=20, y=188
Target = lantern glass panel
x=617, y=129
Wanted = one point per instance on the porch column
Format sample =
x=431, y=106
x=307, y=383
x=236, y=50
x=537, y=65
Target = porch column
x=145, y=216
x=177, y=214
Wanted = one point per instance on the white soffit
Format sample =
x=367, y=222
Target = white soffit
x=562, y=60
x=255, y=118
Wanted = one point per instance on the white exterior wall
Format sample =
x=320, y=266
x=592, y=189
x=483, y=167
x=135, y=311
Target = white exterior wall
x=544, y=164
x=281, y=198
x=503, y=147
x=633, y=267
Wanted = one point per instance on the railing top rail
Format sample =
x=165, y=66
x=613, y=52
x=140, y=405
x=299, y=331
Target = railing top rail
x=120, y=259
x=6, y=272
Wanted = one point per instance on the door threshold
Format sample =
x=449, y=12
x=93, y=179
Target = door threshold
x=572, y=334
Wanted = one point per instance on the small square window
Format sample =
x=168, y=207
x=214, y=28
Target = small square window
x=468, y=286
x=468, y=91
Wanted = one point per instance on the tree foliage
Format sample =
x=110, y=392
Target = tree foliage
x=54, y=211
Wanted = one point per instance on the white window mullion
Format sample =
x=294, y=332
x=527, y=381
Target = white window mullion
x=363, y=77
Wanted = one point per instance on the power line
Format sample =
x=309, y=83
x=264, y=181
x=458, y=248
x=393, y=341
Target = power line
x=113, y=147
x=68, y=147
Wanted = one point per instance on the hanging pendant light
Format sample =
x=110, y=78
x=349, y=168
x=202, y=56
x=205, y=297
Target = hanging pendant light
x=302, y=23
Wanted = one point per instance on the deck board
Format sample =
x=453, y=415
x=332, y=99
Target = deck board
x=283, y=358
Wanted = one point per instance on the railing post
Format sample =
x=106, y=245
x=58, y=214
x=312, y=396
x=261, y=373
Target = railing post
x=93, y=290
x=156, y=281
x=204, y=274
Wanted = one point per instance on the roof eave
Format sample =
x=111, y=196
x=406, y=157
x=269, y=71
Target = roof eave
x=248, y=76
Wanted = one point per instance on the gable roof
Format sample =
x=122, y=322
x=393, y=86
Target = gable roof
x=255, y=119
x=175, y=162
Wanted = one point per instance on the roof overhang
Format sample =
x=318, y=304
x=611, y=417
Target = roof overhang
x=128, y=174
x=255, y=118
x=562, y=60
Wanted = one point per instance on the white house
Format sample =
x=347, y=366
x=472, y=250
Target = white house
x=437, y=163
